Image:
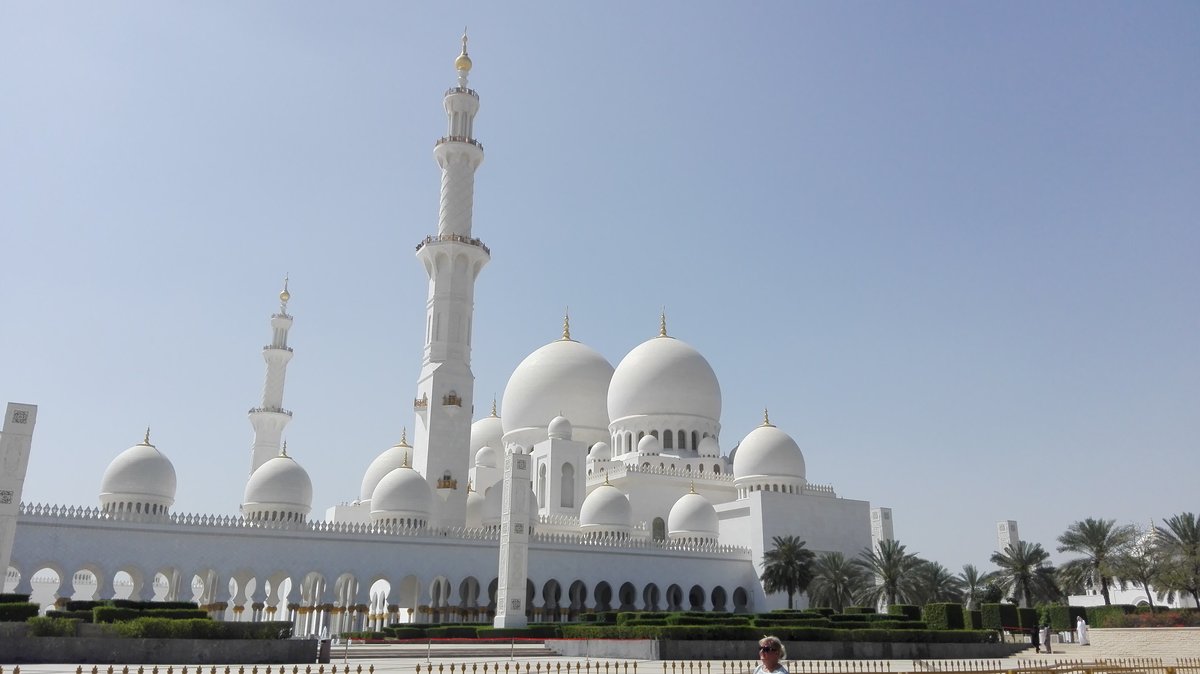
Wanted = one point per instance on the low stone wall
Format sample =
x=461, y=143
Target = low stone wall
x=1144, y=642
x=112, y=651
x=646, y=649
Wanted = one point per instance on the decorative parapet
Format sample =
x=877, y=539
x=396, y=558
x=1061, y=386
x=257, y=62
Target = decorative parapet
x=819, y=490
x=275, y=410
x=271, y=347
x=462, y=90
x=456, y=238
x=621, y=469
x=447, y=483
x=422, y=402
x=458, y=139
x=452, y=399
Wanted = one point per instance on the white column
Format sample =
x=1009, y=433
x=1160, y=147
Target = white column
x=15, y=443
x=515, y=520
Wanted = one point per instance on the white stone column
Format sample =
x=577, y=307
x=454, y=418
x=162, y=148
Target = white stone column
x=515, y=520
x=15, y=443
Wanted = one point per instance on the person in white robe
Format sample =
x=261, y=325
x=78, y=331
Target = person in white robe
x=1081, y=631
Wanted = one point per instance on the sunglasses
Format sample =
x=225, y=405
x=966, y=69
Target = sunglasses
x=768, y=649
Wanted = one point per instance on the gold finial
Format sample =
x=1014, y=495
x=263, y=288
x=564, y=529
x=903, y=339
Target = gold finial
x=146, y=439
x=284, y=295
x=662, y=323
x=405, y=464
x=463, y=62
x=494, y=407
x=766, y=418
x=470, y=487
x=567, y=325
x=692, y=489
x=606, y=479
x=283, y=449
x=403, y=437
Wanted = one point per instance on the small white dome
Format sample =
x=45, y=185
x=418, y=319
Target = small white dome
x=600, y=452
x=559, y=428
x=475, y=509
x=493, y=504
x=692, y=516
x=664, y=376
x=279, y=485
x=563, y=377
x=606, y=510
x=486, y=432
x=649, y=445
x=487, y=457
x=768, y=451
x=139, y=475
x=390, y=459
x=709, y=447
x=402, y=494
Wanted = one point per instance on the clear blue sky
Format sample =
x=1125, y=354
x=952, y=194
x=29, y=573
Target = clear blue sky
x=952, y=246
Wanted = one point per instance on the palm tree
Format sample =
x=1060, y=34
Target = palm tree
x=787, y=567
x=933, y=582
x=836, y=581
x=892, y=568
x=1180, y=541
x=1024, y=570
x=973, y=583
x=1100, y=541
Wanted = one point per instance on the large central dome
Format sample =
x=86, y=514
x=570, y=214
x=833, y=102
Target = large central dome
x=563, y=378
x=664, y=376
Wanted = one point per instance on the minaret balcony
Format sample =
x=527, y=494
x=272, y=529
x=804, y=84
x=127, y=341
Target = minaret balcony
x=462, y=90
x=281, y=348
x=452, y=399
x=271, y=410
x=421, y=403
x=454, y=238
x=458, y=139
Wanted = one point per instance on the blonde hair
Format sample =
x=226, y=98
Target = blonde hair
x=774, y=641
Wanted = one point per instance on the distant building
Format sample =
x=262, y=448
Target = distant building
x=881, y=526
x=1006, y=534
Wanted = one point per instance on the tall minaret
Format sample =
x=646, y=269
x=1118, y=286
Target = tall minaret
x=270, y=418
x=453, y=259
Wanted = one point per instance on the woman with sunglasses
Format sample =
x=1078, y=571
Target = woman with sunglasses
x=770, y=654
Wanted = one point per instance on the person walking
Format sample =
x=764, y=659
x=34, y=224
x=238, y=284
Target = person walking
x=1081, y=631
x=770, y=654
x=1046, y=637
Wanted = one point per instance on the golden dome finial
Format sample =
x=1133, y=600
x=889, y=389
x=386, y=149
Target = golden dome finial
x=470, y=487
x=405, y=464
x=463, y=62
x=403, y=437
x=766, y=418
x=146, y=439
x=494, y=407
x=662, y=323
x=606, y=478
x=283, y=449
x=567, y=324
x=284, y=295
x=692, y=488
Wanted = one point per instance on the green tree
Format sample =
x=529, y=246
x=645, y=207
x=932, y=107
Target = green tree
x=973, y=584
x=1100, y=542
x=1141, y=565
x=1025, y=570
x=787, y=567
x=1180, y=545
x=933, y=582
x=892, y=568
x=836, y=581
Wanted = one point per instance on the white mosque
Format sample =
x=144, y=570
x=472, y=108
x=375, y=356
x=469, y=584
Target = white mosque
x=637, y=502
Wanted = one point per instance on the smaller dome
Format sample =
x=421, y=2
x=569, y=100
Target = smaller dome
x=709, y=447
x=600, y=452
x=606, y=510
x=402, y=494
x=140, y=474
x=559, y=428
x=396, y=456
x=493, y=504
x=692, y=516
x=475, y=508
x=768, y=451
x=487, y=431
x=486, y=458
x=649, y=445
x=280, y=484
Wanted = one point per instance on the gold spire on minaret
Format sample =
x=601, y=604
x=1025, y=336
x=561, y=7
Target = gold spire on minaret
x=470, y=486
x=662, y=323
x=146, y=439
x=463, y=62
x=766, y=418
x=284, y=295
x=567, y=325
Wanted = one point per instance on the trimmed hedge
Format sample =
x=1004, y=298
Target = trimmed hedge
x=868, y=632
x=17, y=612
x=945, y=616
x=80, y=616
x=452, y=631
x=199, y=628
x=404, y=632
x=973, y=619
x=1104, y=616
x=48, y=626
x=1062, y=617
x=112, y=614
x=543, y=631
x=1028, y=618
x=707, y=619
x=14, y=598
x=850, y=618
x=850, y=610
x=999, y=616
x=907, y=611
x=792, y=622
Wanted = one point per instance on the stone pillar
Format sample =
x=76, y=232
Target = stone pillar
x=513, y=573
x=15, y=442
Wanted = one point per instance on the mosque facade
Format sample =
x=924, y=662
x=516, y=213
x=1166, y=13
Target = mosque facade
x=634, y=503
